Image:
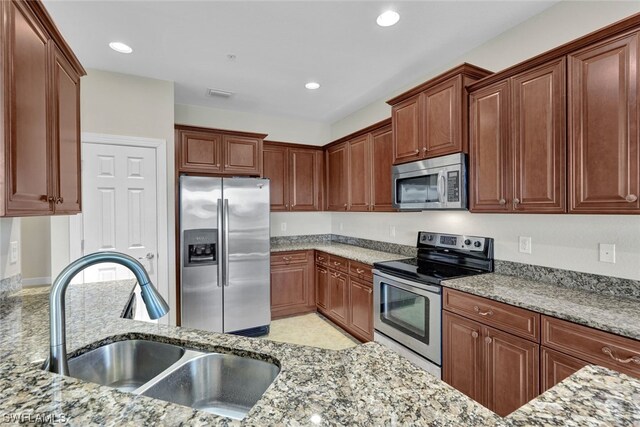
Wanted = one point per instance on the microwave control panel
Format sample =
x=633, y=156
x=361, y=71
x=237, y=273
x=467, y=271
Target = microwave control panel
x=453, y=186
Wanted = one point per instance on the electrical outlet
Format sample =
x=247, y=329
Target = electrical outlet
x=525, y=245
x=392, y=231
x=13, y=255
x=607, y=252
x=283, y=226
x=341, y=226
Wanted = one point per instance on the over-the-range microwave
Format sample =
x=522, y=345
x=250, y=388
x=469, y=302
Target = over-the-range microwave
x=437, y=183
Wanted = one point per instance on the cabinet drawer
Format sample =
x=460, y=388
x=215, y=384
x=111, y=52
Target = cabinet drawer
x=508, y=318
x=339, y=263
x=285, y=258
x=360, y=270
x=322, y=258
x=591, y=345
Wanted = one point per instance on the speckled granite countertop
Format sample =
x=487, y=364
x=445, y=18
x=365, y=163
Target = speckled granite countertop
x=367, y=256
x=363, y=386
x=605, y=312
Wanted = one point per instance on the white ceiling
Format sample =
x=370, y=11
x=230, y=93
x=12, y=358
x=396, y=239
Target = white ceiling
x=279, y=46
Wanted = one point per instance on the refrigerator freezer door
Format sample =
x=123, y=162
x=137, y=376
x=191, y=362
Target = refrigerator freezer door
x=247, y=276
x=201, y=244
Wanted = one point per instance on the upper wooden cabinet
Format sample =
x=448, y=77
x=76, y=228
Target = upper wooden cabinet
x=359, y=170
x=40, y=156
x=430, y=120
x=296, y=176
x=218, y=152
x=604, y=121
x=517, y=143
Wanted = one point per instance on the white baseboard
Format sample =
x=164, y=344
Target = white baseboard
x=36, y=281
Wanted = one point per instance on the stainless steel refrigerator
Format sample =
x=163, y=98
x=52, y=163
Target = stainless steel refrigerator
x=224, y=268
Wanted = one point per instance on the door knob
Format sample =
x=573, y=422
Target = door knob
x=147, y=256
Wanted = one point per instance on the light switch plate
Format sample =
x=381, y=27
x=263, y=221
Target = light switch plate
x=283, y=226
x=607, y=252
x=525, y=244
x=392, y=231
x=13, y=255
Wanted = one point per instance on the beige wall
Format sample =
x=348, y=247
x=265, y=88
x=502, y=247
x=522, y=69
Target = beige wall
x=35, y=251
x=9, y=232
x=300, y=223
x=278, y=128
x=563, y=241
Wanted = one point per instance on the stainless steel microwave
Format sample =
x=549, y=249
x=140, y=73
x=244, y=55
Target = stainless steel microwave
x=437, y=183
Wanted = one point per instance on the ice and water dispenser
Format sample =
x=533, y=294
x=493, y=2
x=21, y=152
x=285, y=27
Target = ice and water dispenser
x=200, y=247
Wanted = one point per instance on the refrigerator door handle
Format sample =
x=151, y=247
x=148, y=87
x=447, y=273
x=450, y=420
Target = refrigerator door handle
x=226, y=242
x=220, y=249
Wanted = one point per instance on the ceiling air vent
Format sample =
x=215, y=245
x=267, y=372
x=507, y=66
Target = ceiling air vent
x=217, y=93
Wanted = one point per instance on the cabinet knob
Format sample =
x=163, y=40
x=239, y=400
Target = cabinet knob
x=474, y=334
x=60, y=200
x=424, y=150
x=345, y=206
x=417, y=151
x=631, y=198
x=516, y=201
x=323, y=271
x=286, y=205
x=286, y=258
x=488, y=340
x=502, y=202
x=52, y=199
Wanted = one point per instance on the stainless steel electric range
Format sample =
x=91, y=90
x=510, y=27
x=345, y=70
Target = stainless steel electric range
x=408, y=294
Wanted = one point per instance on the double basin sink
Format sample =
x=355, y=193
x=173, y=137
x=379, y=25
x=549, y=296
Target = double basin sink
x=223, y=384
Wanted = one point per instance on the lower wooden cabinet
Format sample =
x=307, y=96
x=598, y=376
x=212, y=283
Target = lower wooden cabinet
x=322, y=288
x=556, y=367
x=338, y=297
x=292, y=284
x=499, y=370
x=361, y=309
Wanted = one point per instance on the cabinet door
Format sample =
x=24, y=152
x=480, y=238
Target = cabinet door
x=322, y=287
x=512, y=371
x=442, y=118
x=361, y=308
x=358, y=174
x=556, y=367
x=381, y=164
x=242, y=155
x=66, y=142
x=337, y=176
x=406, y=131
x=462, y=355
x=275, y=167
x=200, y=151
x=305, y=178
x=28, y=165
x=604, y=156
x=338, y=297
x=539, y=142
x=289, y=287
x=489, y=171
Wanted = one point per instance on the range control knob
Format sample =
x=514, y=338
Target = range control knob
x=429, y=237
x=467, y=242
x=477, y=244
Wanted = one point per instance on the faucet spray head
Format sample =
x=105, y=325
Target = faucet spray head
x=155, y=304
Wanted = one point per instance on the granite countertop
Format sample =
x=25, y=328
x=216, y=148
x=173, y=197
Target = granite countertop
x=367, y=256
x=605, y=312
x=365, y=385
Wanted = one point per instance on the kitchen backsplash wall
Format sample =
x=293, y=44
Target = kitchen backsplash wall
x=300, y=223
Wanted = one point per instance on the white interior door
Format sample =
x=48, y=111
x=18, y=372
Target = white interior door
x=119, y=207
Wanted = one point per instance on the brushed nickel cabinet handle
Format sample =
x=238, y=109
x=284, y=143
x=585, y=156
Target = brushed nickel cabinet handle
x=359, y=270
x=631, y=198
x=609, y=352
x=322, y=271
x=502, y=202
x=482, y=313
x=474, y=334
x=336, y=263
x=321, y=258
x=488, y=340
x=286, y=258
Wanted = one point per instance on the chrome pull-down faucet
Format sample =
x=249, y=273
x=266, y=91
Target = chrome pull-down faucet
x=155, y=304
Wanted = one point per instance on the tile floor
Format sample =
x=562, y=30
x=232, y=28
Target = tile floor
x=312, y=330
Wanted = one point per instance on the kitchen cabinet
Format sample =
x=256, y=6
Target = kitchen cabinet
x=517, y=143
x=338, y=297
x=292, y=283
x=430, y=120
x=498, y=369
x=556, y=366
x=322, y=288
x=296, y=176
x=359, y=170
x=604, y=121
x=361, y=308
x=337, y=177
x=41, y=126
x=218, y=152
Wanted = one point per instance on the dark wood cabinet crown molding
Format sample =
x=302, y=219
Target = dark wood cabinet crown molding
x=192, y=128
x=359, y=132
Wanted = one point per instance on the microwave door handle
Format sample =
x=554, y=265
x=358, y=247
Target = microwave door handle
x=441, y=187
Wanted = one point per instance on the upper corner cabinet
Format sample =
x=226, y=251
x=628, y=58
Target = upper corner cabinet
x=40, y=153
x=430, y=120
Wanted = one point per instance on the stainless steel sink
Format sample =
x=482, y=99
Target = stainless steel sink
x=223, y=384
x=125, y=365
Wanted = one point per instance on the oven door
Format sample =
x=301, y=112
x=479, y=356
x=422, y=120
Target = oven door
x=410, y=313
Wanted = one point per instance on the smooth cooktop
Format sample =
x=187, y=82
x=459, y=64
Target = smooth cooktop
x=425, y=271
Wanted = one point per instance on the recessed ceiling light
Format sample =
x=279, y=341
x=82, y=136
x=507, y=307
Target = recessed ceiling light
x=388, y=18
x=312, y=85
x=120, y=47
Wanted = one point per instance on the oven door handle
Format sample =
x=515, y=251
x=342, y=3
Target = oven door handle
x=408, y=285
